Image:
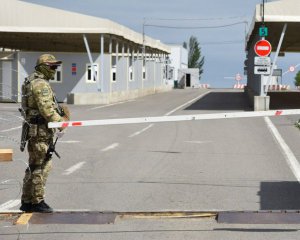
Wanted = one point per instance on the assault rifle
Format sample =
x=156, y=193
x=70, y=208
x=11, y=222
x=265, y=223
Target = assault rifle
x=59, y=109
x=51, y=150
x=25, y=130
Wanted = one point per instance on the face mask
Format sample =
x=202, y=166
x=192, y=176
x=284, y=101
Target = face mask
x=47, y=71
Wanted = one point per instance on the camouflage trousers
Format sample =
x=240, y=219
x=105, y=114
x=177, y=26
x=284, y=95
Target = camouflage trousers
x=36, y=175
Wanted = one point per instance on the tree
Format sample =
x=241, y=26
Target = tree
x=184, y=45
x=297, y=79
x=195, y=60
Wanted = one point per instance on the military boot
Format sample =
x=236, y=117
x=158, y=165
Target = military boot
x=297, y=124
x=26, y=207
x=41, y=207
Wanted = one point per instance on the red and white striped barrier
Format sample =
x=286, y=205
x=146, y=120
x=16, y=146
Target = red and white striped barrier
x=177, y=118
x=278, y=87
x=204, y=85
x=239, y=86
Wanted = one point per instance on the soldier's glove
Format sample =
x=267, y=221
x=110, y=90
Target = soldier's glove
x=66, y=111
x=64, y=119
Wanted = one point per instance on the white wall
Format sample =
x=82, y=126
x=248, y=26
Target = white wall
x=178, y=58
x=78, y=84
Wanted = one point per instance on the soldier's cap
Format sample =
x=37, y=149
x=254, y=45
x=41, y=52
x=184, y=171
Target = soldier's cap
x=47, y=59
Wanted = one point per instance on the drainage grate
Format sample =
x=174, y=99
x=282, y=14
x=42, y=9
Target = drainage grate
x=260, y=217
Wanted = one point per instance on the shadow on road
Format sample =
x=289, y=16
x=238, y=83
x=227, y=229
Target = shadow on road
x=222, y=101
x=279, y=196
x=284, y=100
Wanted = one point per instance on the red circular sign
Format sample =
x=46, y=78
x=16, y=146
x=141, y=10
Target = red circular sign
x=292, y=68
x=263, y=48
x=238, y=77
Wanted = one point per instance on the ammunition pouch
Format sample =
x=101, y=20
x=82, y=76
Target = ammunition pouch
x=38, y=120
x=32, y=167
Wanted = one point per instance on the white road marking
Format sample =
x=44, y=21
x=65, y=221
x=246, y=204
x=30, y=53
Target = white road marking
x=287, y=152
x=11, y=211
x=108, y=105
x=198, y=142
x=181, y=106
x=73, y=168
x=11, y=129
x=69, y=141
x=71, y=210
x=10, y=204
x=143, y=130
x=169, y=113
x=110, y=147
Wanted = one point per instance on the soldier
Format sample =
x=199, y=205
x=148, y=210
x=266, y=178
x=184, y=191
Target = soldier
x=39, y=107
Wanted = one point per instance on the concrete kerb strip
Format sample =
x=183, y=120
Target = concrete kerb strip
x=96, y=217
x=21, y=218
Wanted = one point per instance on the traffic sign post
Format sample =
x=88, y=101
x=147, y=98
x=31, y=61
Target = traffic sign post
x=263, y=48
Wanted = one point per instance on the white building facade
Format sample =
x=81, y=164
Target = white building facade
x=182, y=75
x=103, y=61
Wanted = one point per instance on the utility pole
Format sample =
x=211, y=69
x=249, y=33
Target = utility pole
x=143, y=55
x=263, y=14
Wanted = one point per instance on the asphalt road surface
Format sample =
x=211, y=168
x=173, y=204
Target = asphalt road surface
x=245, y=164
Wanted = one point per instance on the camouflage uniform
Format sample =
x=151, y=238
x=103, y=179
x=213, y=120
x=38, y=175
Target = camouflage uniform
x=40, y=108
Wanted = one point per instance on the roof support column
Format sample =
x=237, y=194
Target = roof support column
x=123, y=64
x=128, y=64
x=265, y=90
x=143, y=66
x=117, y=52
x=102, y=60
x=117, y=58
x=110, y=59
x=91, y=61
x=133, y=63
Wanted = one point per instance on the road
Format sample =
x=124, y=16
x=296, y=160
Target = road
x=208, y=165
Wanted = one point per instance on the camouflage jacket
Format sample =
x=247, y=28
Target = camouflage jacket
x=39, y=98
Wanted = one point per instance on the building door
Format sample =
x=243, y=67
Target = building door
x=6, y=81
x=188, y=80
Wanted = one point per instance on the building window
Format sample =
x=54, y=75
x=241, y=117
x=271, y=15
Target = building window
x=130, y=70
x=114, y=74
x=58, y=75
x=130, y=73
x=113, y=68
x=144, y=73
x=89, y=73
x=164, y=70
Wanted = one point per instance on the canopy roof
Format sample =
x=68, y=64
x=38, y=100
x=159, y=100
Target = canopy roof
x=277, y=13
x=32, y=27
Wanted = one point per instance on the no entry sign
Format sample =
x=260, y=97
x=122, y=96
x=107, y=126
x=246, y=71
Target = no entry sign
x=263, y=48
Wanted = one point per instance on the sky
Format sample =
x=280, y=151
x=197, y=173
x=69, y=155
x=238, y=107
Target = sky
x=223, y=47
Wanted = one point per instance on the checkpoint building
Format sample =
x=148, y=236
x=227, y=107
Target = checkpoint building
x=103, y=61
x=179, y=72
x=282, y=19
